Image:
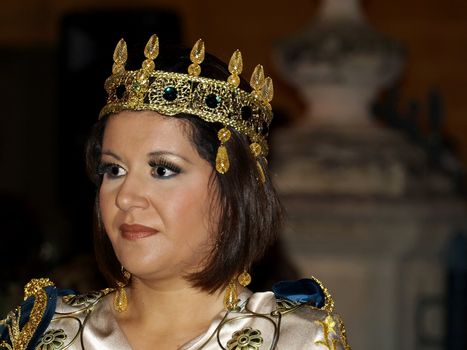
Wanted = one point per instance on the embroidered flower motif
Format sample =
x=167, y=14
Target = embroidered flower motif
x=330, y=339
x=245, y=339
x=82, y=300
x=53, y=339
x=331, y=324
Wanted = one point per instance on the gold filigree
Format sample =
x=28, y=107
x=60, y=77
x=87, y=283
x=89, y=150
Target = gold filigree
x=53, y=339
x=245, y=339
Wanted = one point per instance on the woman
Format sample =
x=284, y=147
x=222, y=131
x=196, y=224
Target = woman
x=184, y=207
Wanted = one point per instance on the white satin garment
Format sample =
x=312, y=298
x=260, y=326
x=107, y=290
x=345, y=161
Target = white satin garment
x=86, y=322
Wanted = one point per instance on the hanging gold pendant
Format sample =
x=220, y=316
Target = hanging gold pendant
x=244, y=279
x=222, y=157
x=222, y=160
x=231, y=297
x=120, y=299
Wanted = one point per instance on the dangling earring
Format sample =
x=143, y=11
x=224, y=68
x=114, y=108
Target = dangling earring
x=222, y=157
x=231, y=296
x=231, y=293
x=244, y=278
x=120, y=298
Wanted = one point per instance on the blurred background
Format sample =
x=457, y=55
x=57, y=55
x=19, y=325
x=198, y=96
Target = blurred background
x=368, y=146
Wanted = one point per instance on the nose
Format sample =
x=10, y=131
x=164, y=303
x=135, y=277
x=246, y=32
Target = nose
x=131, y=194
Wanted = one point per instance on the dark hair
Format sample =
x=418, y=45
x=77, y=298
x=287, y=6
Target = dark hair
x=250, y=211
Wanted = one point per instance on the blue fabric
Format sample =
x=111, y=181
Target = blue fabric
x=26, y=308
x=301, y=291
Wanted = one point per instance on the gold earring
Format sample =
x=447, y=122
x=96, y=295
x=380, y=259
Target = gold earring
x=244, y=278
x=222, y=157
x=120, y=298
x=231, y=296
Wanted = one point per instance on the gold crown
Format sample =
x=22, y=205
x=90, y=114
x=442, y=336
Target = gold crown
x=212, y=100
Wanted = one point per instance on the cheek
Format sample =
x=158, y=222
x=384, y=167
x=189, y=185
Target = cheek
x=190, y=212
x=106, y=205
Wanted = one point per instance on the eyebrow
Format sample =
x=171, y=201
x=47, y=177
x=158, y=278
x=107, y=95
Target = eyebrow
x=151, y=154
x=110, y=153
x=168, y=153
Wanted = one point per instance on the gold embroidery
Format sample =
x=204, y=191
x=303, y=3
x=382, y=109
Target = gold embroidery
x=329, y=302
x=82, y=299
x=285, y=306
x=343, y=333
x=20, y=339
x=5, y=345
x=12, y=325
x=330, y=337
x=36, y=286
x=83, y=305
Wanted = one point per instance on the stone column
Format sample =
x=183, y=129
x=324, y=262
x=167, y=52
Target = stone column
x=366, y=212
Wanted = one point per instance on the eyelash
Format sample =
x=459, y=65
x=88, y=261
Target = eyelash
x=105, y=169
x=163, y=163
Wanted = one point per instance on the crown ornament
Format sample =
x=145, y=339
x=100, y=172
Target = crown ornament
x=212, y=100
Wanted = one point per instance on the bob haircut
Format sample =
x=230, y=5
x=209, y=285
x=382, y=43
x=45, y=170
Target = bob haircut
x=250, y=214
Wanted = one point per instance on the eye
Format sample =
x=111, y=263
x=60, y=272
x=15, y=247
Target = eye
x=163, y=169
x=111, y=170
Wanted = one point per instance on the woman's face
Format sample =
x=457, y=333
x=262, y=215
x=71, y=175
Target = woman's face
x=155, y=197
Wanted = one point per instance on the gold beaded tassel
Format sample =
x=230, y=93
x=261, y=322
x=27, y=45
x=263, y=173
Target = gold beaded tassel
x=222, y=157
x=263, y=90
x=197, y=57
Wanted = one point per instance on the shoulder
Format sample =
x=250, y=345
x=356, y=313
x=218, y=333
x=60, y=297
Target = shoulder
x=307, y=317
x=23, y=327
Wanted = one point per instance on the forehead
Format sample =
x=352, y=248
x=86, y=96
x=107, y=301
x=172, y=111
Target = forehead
x=145, y=128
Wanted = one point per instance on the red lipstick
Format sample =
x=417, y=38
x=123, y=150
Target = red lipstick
x=136, y=231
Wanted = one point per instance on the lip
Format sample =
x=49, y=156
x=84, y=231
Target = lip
x=134, y=232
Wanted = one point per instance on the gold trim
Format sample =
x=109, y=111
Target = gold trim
x=20, y=339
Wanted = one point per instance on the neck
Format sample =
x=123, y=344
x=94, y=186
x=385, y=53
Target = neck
x=170, y=303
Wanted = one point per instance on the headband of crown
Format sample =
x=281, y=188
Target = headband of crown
x=212, y=100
